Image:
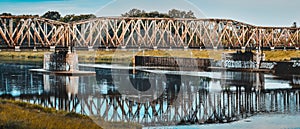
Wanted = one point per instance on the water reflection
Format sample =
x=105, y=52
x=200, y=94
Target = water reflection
x=178, y=98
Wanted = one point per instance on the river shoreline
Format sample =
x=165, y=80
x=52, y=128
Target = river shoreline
x=105, y=55
x=108, y=56
x=16, y=114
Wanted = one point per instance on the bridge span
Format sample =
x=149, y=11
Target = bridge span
x=125, y=32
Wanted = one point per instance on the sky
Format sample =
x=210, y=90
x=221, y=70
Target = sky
x=256, y=12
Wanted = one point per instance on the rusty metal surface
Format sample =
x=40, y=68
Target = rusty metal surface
x=130, y=32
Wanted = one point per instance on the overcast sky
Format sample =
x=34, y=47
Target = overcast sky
x=258, y=12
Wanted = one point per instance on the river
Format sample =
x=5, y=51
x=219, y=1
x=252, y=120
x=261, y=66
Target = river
x=159, y=98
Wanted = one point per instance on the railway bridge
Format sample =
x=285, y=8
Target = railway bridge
x=128, y=32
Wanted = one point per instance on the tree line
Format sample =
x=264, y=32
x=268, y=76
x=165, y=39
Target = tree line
x=55, y=15
x=173, y=13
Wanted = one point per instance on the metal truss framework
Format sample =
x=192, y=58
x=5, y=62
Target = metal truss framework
x=143, y=32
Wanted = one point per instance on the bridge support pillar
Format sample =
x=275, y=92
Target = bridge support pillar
x=259, y=57
x=61, y=60
x=90, y=48
x=17, y=48
x=155, y=47
x=215, y=48
x=34, y=49
x=243, y=48
x=272, y=48
x=52, y=48
x=186, y=47
x=297, y=48
x=123, y=47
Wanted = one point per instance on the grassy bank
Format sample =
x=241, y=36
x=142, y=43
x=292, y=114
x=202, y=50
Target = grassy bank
x=281, y=55
x=103, y=56
x=20, y=115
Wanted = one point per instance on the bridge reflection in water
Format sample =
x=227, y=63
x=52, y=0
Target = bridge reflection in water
x=225, y=97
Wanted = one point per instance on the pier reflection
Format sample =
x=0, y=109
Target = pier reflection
x=184, y=99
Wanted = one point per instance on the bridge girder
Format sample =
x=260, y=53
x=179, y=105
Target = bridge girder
x=142, y=32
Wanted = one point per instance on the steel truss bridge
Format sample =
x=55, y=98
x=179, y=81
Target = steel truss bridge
x=123, y=32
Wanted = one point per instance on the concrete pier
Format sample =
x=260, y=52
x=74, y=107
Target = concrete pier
x=62, y=62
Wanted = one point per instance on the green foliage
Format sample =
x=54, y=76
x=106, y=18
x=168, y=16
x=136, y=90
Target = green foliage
x=173, y=13
x=53, y=15
x=142, y=13
x=6, y=14
x=294, y=25
x=73, y=17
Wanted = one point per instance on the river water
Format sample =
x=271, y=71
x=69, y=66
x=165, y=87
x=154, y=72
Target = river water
x=157, y=98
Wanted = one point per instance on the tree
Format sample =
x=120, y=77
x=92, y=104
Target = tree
x=5, y=14
x=73, y=17
x=53, y=15
x=294, y=25
x=133, y=13
x=174, y=13
x=190, y=14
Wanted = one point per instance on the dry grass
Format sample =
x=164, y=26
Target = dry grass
x=213, y=54
x=24, y=56
x=22, y=115
x=280, y=55
x=103, y=56
x=276, y=55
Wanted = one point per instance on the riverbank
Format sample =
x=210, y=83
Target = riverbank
x=21, y=115
x=117, y=56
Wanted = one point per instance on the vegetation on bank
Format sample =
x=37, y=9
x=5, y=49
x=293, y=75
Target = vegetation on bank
x=55, y=15
x=281, y=55
x=119, y=56
x=173, y=13
x=21, y=115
